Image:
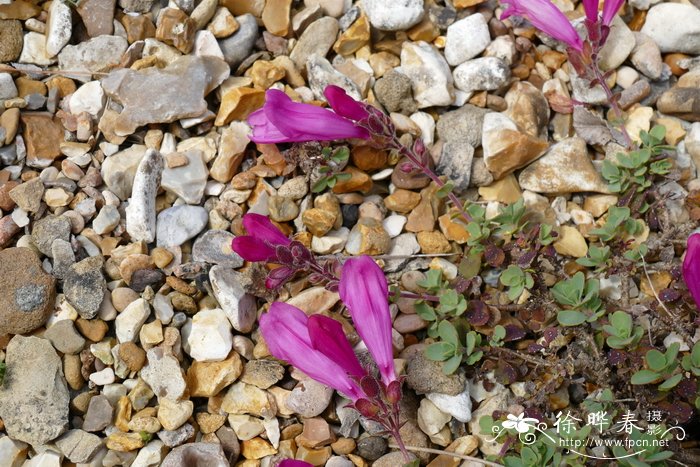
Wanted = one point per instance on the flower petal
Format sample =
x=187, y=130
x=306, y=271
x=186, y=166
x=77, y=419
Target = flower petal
x=610, y=9
x=285, y=331
x=547, y=18
x=344, y=105
x=327, y=337
x=263, y=228
x=363, y=289
x=691, y=267
x=252, y=248
x=294, y=463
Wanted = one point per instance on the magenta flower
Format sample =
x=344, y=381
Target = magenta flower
x=294, y=463
x=304, y=343
x=545, y=17
x=364, y=291
x=591, y=9
x=281, y=120
x=691, y=267
x=260, y=244
x=610, y=9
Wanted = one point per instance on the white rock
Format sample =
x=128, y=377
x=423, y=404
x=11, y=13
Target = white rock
x=118, y=170
x=618, y=46
x=129, y=322
x=393, y=16
x=675, y=27
x=141, y=211
x=90, y=98
x=692, y=143
x=205, y=44
x=34, y=50
x=106, y=220
x=45, y=459
x=426, y=123
x=459, y=406
x=431, y=79
x=101, y=378
x=481, y=74
x=466, y=39
x=150, y=455
x=210, y=338
x=626, y=77
x=178, y=224
x=8, y=90
x=187, y=181
x=430, y=418
x=20, y=217
x=163, y=374
x=236, y=303
x=332, y=242
x=404, y=245
x=59, y=28
x=394, y=224
x=12, y=453
x=502, y=47
x=163, y=308
x=245, y=426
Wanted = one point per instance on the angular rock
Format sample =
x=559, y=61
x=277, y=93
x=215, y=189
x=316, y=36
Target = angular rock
x=79, y=445
x=85, y=286
x=131, y=319
x=429, y=73
x=238, y=46
x=456, y=163
x=210, y=338
x=99, y=54
x=119, y=169
x=466, y=39
x=174, y=92
x=394, y=16
x=34, y=50
x=464, y=123
x=481, y=74
x=505, y=148
x=97, y=16
x=48, y=229
x=214, y=246
x=141, y=210
x=426, y=376
x=28, y=293
x=43, y=135
x=236, y=303
x=34, y=397
x=58, y=28
x=565, y=168
x=12, y=40
x=321, y=74
x=163, y=374
x=64, y=337
x=187, y=181
x=675, y=27
x=178, y=224
x=528, y=108
x=317, y=39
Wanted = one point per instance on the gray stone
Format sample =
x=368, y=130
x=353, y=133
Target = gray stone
x=178, y=224
x=119, y=169
x=8, y=90
x=97, y=16
x=237, y=47
x=187, y=181
x=481, y=74
x=79, y=446
x=59, y=27
x=394, y=92
x=675, y=27
x=141, y=211
x=466, y=39
x=34, y=397
x=155, y=95
x=63, y=257
x=317, y=39
x=262, y=373
x=106, y=220
x=85, y=286
x=136, y=6
x=403, y=247
x=196, y=455
x=430, y=75
x=371, y=447
x=163, y=374
x=177, y=437
x=214, y=246
x=464, y=123
x=229, y=292
x=48, y=229
x=309, y=398
x=618, y=46
x=393, y=16
x=99, y=54
x=98, y=415
x=321, y=74
x=425, y=376
x=646, y=56
x=64, y=337
x=456, y=163
x=28, y=293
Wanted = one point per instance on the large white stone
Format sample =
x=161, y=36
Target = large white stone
x=129, y=322
x=393, y=15
x=141, y=211
x=466, y=39
x=675, y=27
x=176, y=225
x=90, y=98
x=431, y=79
x=210, y=338
x=59, y=27
x=235, y=302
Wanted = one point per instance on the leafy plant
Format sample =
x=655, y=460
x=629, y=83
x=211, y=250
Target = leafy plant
x=517, y=280
x=451, y=303
x=651, y=456
x=660, y=366
x=510, y=219
x=544, y=236
x=581, y=296
x=451, y=351
x=622, y=331
x=499, y=334
x=618, y=222
x=329, y=173
x=598, y=258
x=691, y=362
x=638, y=168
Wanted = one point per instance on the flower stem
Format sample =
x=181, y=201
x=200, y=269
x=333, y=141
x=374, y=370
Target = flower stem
x=613, y=104
x=447, y=453
x=420, y=296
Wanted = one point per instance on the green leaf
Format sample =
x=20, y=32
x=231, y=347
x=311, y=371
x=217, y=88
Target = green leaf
x=622, y=321
x=320, y=185
x=445, y=190
x=425, y=311
x=658, y=132
x=656, y=360
x=670, y=383
x=672, y=352
x=499, y=332
x=452, y=364
x=440, y=351
x=448, y=333
x=343, y=176
x=528, y=456
x=571, y=318
x=659, y=456
x=644, y=377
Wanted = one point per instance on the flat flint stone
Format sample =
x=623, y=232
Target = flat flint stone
x=178, y=224
x=214, y=246
x=85, y=286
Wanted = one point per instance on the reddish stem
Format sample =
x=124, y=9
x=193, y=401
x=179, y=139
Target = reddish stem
x=613, y=103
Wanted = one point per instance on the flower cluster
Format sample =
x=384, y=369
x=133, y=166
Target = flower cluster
x=317, y=345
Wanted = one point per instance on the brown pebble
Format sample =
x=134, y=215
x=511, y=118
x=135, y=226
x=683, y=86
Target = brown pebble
x=182, y=302
x=133, y=355
x=93, y=329
x=180, y=285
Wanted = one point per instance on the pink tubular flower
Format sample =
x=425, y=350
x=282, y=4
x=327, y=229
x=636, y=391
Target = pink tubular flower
x=304, y=343
x=260, y=244
x=363, y=289
x=610, y=9
x=294, y=463
x=691, y=267
x=545, y=17
x=591, y=9
x=281, y=120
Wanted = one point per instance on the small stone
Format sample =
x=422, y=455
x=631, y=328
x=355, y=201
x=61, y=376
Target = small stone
x=368, y=237
x=275, y=17
x=309, y=398
x=172, y=415
x=34, y=397
x=612, y=55
x=238, y=103
x=12, y=40
x=34, y=50
x=456, y=162
x=78, y=445
x=12, y=453
x=318, y=221
x=176, y=28
x=430, y=418
x=433, y=242
x=429, y=73
x=322, y=74
x=188, y=181
x=43, y=135
x=64, y=337
x=528, y=108
x=210, y=338
x=458, y=406
x=282, y=209
x=58, y=28
x=98, y=54
x=505, y=147
x=223, y=24
x=141, y=210
x=196, y=454
x=243, y=398
x=565, y=168
x=646, y=56
x=466, y=39
x=464, y=124
x=353, y=38
x=402, y=201
x=571, y=243
x=238, y=46
x=85, y=286
x=479, y=74
x=262, y=373
x=178, y=224
x=398, y=16
x=236, y=303
x=214, y=246
x=505, y=190
x=107, y=220
x=207, y=379
x=99, y=414
x=163, y=374
x=682, y=100
x=394, y=91
x=426, y=376
x=674, y=27
x=124, y=442
x=97, y=16
x=129, y=321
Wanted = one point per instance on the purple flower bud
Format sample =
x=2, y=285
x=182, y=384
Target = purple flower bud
x=370, y=386
x=260, y=245
x=278, y=277
x=367, y=408
x=393, y=392
x=407, y=167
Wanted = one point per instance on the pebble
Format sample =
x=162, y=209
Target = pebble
x=309, y=398
x=403, y=247
x=129, y=322
x=98, y=415
x=214, y=246
x=317, y=39
x=464, y=124
x=178, y=224
x=426, y=376
x=682, y=100
x=48, y=229
x=619, y=45
x=430, y=75
x=85, y=286
x=237, y=47
x=458, y=406
x=211, y=455
x=646, y=57
x=34, y=393
x=141, y=210
x=34, y=50
x=187, y=181
x=107, y=220
x=98, y=54
x=505, y=147
x=466, y=39
x=210, y=338
x=368, y=237
x=11, y=46
x=238, y=305
x=397, y=16
x=64, y=337
x=262, y=373
x=119, y=169
x=479, y=74
x=675, y=27
x=207, y=379
x=28, y=292
x=163, y=374
x=321, y=74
